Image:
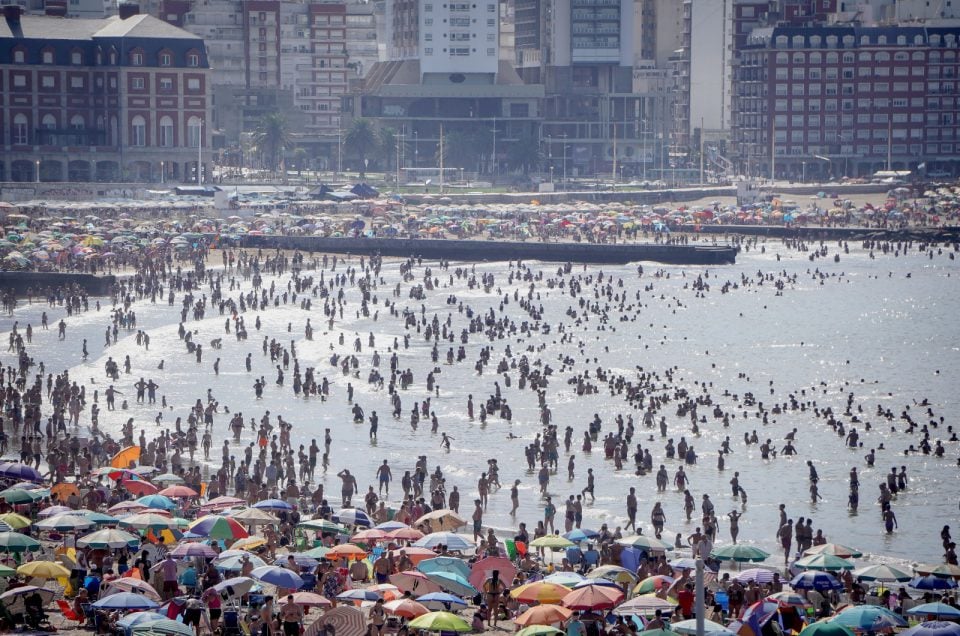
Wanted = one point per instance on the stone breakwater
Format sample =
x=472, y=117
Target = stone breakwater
x=457, y=250
x=39, y=282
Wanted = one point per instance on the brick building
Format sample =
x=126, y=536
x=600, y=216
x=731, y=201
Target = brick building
x=121, y=98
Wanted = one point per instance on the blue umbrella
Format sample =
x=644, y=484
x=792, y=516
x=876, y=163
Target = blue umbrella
x=281, y=577
x=567, y=579
x=444, y=564
x=869, y=617
x=352, y=517
x=452, y=540
x=931, y=582
x=302, y=560
x=126, y=601
x=689, y=564
x=359, y=594
x=272, y=504
x=441, y=601
x=452, y=582
x=387, y=526
x=581, y=534
x=16, y=470
x=933, y=628
x=940, y=610
x=157, y=501
x=127, y=622
x=815, y=580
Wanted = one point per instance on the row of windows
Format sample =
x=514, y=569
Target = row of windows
x=816, y=41
x=165, y=136
x=136, y=58
x=832, y=57
x=459, y=7
x=459, y=37
x=864, y=87
x=459, y=51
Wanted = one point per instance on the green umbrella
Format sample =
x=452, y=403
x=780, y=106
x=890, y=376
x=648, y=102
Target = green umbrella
x=20, y=496
x=826, y=627
x=440, y=622
x=318, y=552
x=6, y=571
x=739, y=553
x=16, y=542
x=883, y=573
x=552, y=541
x=162, y=626
x=538, y=630
x=836, y=549
x=322, y=525
x=823, y=562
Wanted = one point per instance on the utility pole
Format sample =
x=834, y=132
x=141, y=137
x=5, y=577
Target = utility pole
x=494, y=167
x=441, y=158
x=614, y=178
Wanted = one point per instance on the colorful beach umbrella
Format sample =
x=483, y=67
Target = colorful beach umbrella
x=218, y=527
x=548, y=614
x=593, y=597
x=815, y=580
x=16, y=543
x=405, y=608
x=739, y=553
x=540, y=592
x=882, y=573
x=280, y=577
x=439, y=622
x=836, y=549
x=554, y=541
x=43, y=570
x=932, y=582
x=453, y=541
x=352, y=517
x=108, y=538
x=199, y=550
x=869, y=617
x=158, y=501
x=826, y=562
x=940, y=610
x=178, y=492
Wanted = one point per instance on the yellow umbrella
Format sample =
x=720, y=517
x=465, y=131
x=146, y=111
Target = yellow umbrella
x=123, y=459
x=43, y=570
x=15, y=521
x=249, y=543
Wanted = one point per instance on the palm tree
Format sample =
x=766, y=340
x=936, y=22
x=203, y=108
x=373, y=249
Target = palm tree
x=524, y=154
x=272, y=138
x=360, y=140
x=387, y=142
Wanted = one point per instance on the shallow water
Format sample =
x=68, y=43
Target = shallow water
x=888, y=339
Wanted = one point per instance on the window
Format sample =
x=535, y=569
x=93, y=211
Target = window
x=194, y=127
x=166, y=84
x=166, y=131
x=166, y=59
x=19, y=57
x=49, y=122
x=193, y=83
x=193, y=60
x=491, y=52
x=136, y=59
x=48, y=57
x=137, y=83
x=428, y=50
x=20, y=129
x=47, y=81
x=76, y=81
x=76, y=58
x=77, y=122
x=138, y=131
x=19, y=80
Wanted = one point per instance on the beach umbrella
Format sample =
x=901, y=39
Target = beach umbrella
x=931, y=582
x=7, y=571
x=417, y=555
x=345, y=620
x=612, y=573
x=234, y=587
x=548, y=614
x=940, y=610
x=827, y=627
x=16, y=542
x=318, y=552
x=579, y=535
x=300, y=560
x=43, y=570
x=684, y=563
x=441, y=601
x=653, y=584
x=126, y=601
x=178, y=491
x=99, y=518
x=739, y=552
x=346, y=551
x=442, y=519
x=140, y=487
x=789, y=599
x=387, y=526
x=127, y=507
x=644, y=604
x=815, y=580
x=310, y=599
x=836, y=549
x=883, y=573
x=235, y=563
x=163, y=626
x=868, y=617
x=643, y=542
x=13, y=600
x=453, y=541
x=280, y=577
x=554, y=541
x=65, y=523
x=157, y=501
x=484, y=569
x=254, y=517
x=689, y=627
x=540, y=592
x=757, y=575
x=538, y=630
x=359, y=594
x=352, y=517
x=403, y=534
x=129, y=621
x=16, y=470
x=939, y=569
x=218, y=527
x=108, y=538
x=414, y=582
x=272, y=504
x=826, y=562
x=566, y=579
x=199, y=550
x=370, y=535
x=322, y=525
x=129, y=584
x=50, y=511
x=249, y=543
x=452, y=582
x=221, y=503
x=148, y=520
x=439, y=622
x=126, y=457
x=444, y=564
x=930, y=628
x=405, y=608
x=64, y=490
x=170, y=478
x=21, y=495
x=15, y=521
x=592, y=597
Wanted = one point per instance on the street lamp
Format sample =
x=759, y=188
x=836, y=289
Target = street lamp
x=38, y=171
x=162, y=172
x=803, y=174
x=416, y=149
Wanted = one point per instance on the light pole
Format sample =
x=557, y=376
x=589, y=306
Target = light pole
x=564, y=160
x=803, y=174
x=38, y=171
x=829, y=164
x=162, y=173
x=416, y=149
x=339, y=149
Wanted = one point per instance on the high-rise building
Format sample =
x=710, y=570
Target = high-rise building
x=115, y=99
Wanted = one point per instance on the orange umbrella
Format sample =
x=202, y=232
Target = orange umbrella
x=405, y=608
x=370, y=535
x=416, y=555
x=345, y=551
x=126, y=457
x=310, y=599
x=543, y=615
x=178, y=491
x=64, y=490
x=540, y=592
x=593, y=597
x=405, y=534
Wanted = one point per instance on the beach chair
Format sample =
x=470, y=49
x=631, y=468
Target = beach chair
x=230, y=626
x=68, y=612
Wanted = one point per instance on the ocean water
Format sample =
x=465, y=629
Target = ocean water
x=883, y=329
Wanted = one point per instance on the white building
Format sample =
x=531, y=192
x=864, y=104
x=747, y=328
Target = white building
x=710, y=42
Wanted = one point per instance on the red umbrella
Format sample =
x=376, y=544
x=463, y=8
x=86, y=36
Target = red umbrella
x=483, y=568
x=405, y=534
x=178, y=491
x=140, y=488
x=593, y=597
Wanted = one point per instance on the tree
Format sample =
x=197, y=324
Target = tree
x=387, y=145
x=272, y=138
x=299, y=159
x=360, y=141
x=524, y=154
